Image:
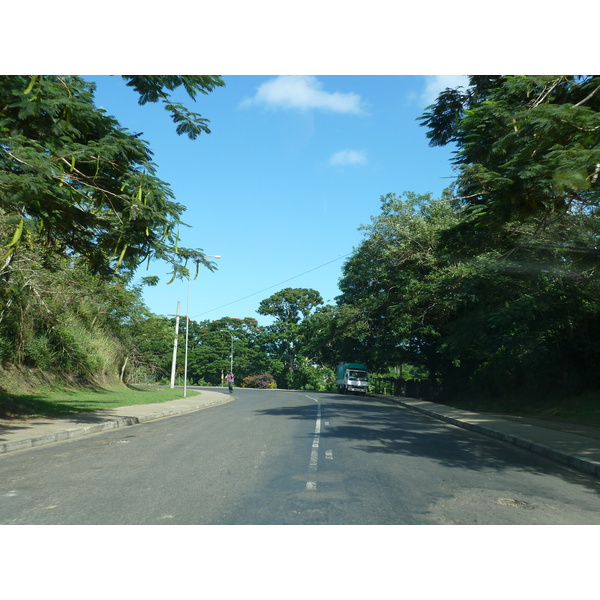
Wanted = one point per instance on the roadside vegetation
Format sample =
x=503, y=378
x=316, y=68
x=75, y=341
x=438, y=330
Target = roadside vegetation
x=486, y=298
x=44, y=397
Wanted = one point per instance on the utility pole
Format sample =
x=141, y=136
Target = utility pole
x=175, y=346
x=187, y=336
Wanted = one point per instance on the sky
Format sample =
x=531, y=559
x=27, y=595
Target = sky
x=293, y=166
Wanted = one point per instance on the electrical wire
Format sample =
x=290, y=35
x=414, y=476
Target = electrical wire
x=272, y=286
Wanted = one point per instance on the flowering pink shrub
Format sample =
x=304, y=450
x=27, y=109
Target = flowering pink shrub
x=264, y=382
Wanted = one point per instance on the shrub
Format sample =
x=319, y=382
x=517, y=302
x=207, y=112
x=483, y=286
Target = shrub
x=39, y=352
x=264, y=381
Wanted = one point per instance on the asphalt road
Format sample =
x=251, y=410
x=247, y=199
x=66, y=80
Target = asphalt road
x=283, y=457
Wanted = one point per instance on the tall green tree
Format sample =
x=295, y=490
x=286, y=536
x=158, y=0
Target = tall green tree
x=81, y=208
x=387, y=313
x=528, y=164
x=511, y=313
x=285, y=337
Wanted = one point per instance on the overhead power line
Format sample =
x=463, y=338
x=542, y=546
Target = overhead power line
x=272, y=286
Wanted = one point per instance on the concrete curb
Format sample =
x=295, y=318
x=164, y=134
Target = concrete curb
x=111, y=421
x=466, y=420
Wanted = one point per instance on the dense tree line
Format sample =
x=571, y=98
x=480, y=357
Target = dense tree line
x=517, y=314
x=492, y=289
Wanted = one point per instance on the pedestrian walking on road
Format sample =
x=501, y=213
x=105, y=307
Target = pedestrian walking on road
x=230, y=380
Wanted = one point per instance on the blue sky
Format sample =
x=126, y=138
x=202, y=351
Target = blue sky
x=293, y=166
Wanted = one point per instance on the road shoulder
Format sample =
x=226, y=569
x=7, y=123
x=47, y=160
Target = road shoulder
x=20, y=435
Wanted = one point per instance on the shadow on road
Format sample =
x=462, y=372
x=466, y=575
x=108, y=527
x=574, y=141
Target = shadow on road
x=379, y=426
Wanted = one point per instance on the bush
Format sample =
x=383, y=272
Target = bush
x=39, y=352
x=263, y=382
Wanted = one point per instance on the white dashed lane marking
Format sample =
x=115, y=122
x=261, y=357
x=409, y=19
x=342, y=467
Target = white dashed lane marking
x=314, y=454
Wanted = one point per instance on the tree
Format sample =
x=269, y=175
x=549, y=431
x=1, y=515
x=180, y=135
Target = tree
x=148, y=339
x=151, y=88
x=320, y=339
x=210, y=349
x=496, y=316
x=76, y=183
x=389, y=312
x=528, y=163
x=527, y=145
x=493, y=289
x=284, y=338
x=80, y=208
x=291, y=305
x=57, y=317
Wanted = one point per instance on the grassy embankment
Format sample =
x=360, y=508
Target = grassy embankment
x=37, y=395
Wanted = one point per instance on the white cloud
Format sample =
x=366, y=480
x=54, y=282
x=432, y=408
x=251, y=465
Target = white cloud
x=348, y=157
x=434, y=84
x=304, y=92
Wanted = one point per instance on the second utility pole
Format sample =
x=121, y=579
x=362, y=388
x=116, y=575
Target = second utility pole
x=175, y=347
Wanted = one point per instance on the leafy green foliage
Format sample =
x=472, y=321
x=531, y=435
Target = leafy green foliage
x=496, y=314
x=151, y=88
x=386, y=309
x=290, y=305
x=286, y=336
x=526, y=144
x=76, y=183
x=81, y=208
x=58, y=318
x=210, y=344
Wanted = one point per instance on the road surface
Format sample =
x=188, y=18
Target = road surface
x=292, y=457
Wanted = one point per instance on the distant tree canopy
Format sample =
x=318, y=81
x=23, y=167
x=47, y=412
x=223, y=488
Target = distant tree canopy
x=286, y=336
x=211, y=344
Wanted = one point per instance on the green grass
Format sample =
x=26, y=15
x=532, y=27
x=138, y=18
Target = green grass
x=56, y=402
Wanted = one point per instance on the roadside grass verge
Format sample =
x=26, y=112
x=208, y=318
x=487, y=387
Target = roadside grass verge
x=67, y=401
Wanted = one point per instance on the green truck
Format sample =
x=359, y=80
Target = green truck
x=352, y=377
